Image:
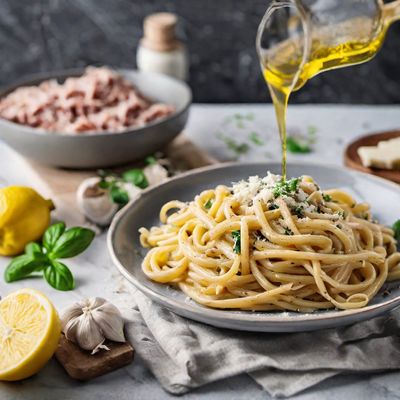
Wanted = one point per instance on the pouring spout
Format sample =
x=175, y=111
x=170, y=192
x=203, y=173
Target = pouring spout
x=391, y=12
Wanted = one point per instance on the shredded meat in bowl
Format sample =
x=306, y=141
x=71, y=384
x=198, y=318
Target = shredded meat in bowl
x=99, y=100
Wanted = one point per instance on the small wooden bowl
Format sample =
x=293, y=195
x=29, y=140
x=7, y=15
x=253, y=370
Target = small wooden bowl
x=352, y=159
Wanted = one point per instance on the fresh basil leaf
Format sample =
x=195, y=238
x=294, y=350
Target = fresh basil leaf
x=33, y=248
x=52, y=234
x=236, y=241
x=72, y=242
x=150, y=160
x=137, y=177
x=208, y=204
x=103, y=184
x=119, y=196
x=396, y=229
x=22, y=266
x=59, y=276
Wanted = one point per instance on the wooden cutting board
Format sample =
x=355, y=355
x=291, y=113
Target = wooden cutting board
x=61, y=184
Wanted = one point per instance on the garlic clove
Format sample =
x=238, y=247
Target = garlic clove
x=110, y=321
x=70, y=314
x=88, y=334
x=95, y=203
x=70, y=329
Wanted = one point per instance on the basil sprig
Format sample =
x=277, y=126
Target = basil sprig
x=114, y=183
x=58, y=242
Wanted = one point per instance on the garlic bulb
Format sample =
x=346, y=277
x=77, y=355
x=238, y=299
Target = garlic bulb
x=89, y=322
x=95, y=203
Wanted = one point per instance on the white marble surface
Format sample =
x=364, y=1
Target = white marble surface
x=95, y=275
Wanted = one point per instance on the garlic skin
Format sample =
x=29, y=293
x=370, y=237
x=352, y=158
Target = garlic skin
x=132, y=190
x=95, y=203
x=91, y=321
x=155, y=174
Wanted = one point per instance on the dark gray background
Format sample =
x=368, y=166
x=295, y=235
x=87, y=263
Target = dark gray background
x=55, y=34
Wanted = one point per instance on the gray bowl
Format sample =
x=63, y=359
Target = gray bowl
x=102, y=149
x=127, y=253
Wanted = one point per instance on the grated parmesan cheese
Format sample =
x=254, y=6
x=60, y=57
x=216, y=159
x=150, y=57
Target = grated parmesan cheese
x=245, y=192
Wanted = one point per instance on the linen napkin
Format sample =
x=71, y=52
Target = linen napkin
x=183, y=354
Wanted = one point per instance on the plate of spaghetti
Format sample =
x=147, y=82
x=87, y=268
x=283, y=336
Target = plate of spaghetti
x=237, y=246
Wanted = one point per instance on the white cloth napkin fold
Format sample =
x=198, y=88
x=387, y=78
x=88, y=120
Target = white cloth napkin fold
x=183, y=354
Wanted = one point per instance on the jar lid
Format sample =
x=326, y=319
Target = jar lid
x=159, y=31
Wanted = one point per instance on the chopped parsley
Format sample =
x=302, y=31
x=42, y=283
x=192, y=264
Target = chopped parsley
x=299, y=211
x=288, y=231
x=256, y=139
x=236, y=241
x=239, y=120
x=232, y=144
x=297, y=146
x=208, y=204
x=312, y=130
x=273, y=206
x=259, y=236
x=286, y=188
x=342, y=214
x=326, y=197
x=396, y=229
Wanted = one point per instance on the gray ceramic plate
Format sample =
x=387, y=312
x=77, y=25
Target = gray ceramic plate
x=102, y=149
x=127, y=254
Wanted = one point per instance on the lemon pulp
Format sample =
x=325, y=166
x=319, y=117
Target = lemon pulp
x=29, y=333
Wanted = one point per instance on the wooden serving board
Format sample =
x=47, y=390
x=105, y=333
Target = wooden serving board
x=352, y=159
x=61, y=184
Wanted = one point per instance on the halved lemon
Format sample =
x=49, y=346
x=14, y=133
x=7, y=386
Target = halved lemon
x=30, y=330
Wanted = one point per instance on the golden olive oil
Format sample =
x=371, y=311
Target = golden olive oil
x=285, y=72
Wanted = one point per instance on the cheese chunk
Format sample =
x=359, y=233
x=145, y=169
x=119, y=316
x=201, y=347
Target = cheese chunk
x=385, y=155
x=385, y=144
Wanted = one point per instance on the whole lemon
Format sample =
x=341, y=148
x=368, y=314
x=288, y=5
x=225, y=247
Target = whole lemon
x=24, y=216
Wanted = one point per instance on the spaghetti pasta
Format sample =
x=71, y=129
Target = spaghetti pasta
x=270, y=244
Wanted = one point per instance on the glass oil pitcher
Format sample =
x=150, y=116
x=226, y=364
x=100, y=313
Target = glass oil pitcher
x=297, y=39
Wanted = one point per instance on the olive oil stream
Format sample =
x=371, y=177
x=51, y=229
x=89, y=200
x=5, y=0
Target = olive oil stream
x=284, y=73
